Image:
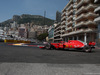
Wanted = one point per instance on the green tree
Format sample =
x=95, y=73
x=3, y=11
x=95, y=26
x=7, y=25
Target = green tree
x=42, y=36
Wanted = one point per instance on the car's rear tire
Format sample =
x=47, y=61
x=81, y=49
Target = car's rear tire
x=63, y=47
x=87, y=49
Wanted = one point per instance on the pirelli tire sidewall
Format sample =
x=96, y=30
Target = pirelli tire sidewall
x=87, y=49
x=48, y=46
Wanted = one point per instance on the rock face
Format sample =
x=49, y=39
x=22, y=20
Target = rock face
x=16, y=17
x=26, y=18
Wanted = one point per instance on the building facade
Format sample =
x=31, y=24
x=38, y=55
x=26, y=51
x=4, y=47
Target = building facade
x=78, y=21
x=57, y=32
x=57, y=27
x=51, y=34
x=58, y=16
x=22, y=32
x=1, y=33
x=97, y=19
x=32, y=33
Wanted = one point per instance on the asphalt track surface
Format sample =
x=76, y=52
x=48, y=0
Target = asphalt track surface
x=20, y=54
x=30, y=60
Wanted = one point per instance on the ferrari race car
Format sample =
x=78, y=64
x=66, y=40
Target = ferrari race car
x=71, y=44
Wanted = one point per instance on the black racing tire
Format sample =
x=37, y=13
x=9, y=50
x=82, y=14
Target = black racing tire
x=63, y=47
x=87, y=49
x=48, y=46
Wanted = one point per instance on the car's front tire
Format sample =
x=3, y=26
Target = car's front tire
x=48, y=46
x=87, y=49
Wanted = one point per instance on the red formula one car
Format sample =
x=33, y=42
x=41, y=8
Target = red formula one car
x=71, y=44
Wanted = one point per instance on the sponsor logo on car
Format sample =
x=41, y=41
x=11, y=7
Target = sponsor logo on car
x=66, y=45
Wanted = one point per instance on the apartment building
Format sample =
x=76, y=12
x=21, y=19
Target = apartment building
x=57, y=32
x=22, y=32
x=57, y=28
x=78, y=21
x=97, y=19
x=58, y=16
x=63, y=21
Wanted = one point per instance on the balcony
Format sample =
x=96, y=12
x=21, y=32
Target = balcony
x=57, y=31
x=80, y=10
x=58, y=39
x=97, y=1
x=69, y=17
x=74, y=32
x=59, y=24
x=90, y=23
x=62, y=31
x=97, y=19
x=90, y=30
x=91, y=14
x=69, y=28
x=63, y=18
x=57, y=35
x=63, y=22
x=70, y=23
x=85, y=8
x=91, y=6
x=81, y=16
x=58, y=28
x=85, y=23
x=97, y=9
x=81, y=2
x=71, y=6
x=64, y=13
x=80, y=31
x=69, y=13
x=80, y=24
x=63, y=26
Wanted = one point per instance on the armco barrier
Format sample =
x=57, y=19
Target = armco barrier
x=16, y=41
